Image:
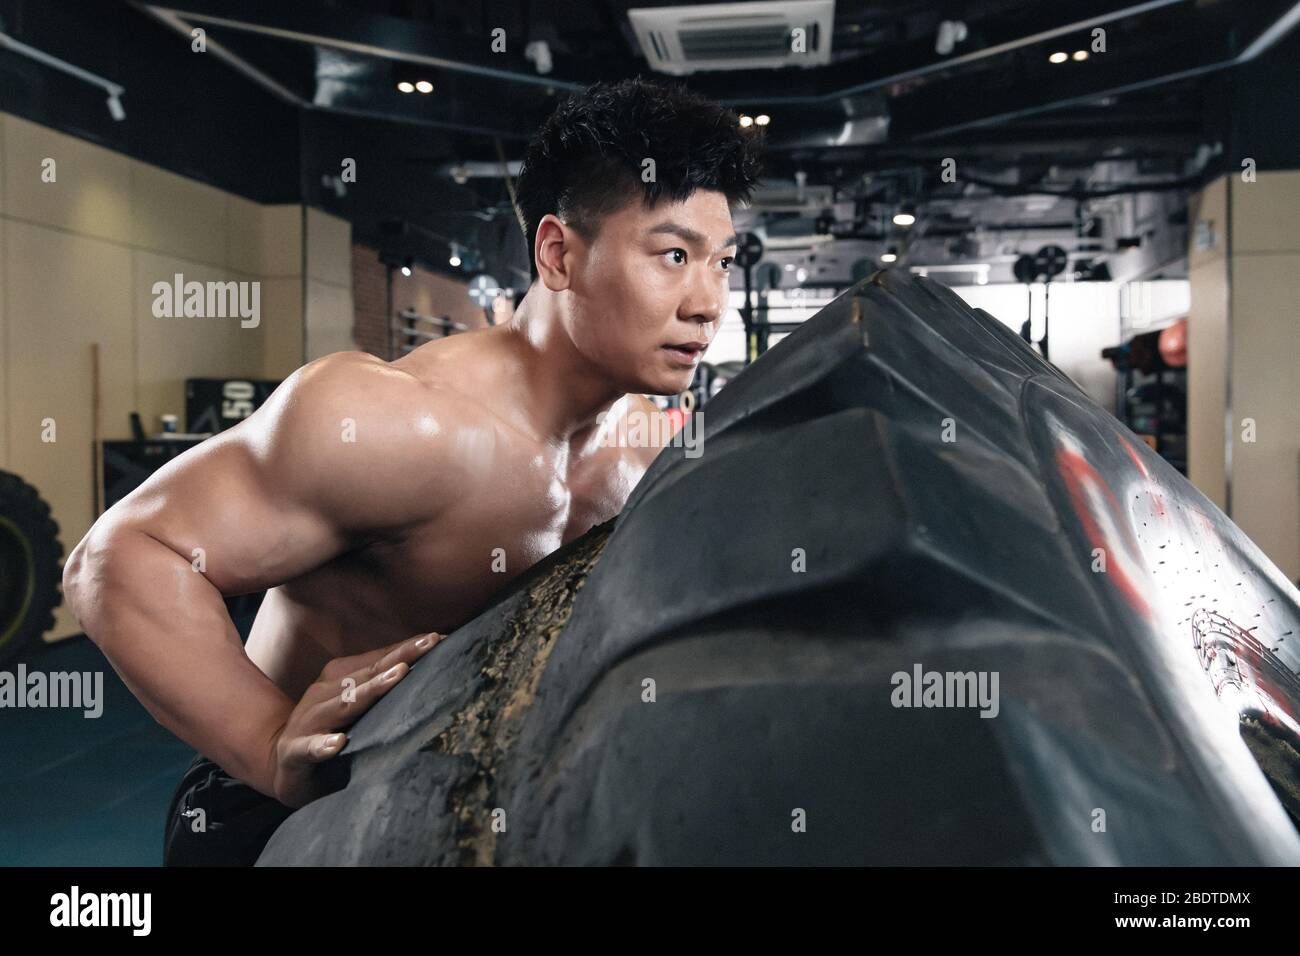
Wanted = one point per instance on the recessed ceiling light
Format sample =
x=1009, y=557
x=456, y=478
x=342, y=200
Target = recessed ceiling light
x=906, y=215
x=424, y=86
x=746, y=120
x=762, y=119
x=406, y=86
x=1081, y=54
x=890, y=255
x=1060, y=56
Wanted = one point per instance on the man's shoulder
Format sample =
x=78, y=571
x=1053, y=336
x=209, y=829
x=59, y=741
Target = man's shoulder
x=358, y=412
x=369, y=443
x=349, y=376
x=357, y=385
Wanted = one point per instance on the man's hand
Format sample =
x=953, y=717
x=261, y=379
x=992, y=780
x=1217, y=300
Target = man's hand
x=345, y=689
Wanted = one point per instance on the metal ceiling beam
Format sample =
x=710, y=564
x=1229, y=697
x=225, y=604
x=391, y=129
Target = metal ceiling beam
x=178, y=23
x=169, y=19
x=1265, y=41
x=974, y=56
x=53, y=62
x=401, y=41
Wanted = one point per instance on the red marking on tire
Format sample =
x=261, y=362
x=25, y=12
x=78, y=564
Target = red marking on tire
x=1079, y=475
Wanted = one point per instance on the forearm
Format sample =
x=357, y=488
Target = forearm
x=164, y=628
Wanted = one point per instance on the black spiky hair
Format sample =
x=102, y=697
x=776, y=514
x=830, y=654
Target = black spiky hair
x=587, y=159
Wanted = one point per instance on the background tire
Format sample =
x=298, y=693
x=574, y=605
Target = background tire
x=29, y=566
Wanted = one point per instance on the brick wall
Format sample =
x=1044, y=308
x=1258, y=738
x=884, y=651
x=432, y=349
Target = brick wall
x=369, y=301
x=426, y=292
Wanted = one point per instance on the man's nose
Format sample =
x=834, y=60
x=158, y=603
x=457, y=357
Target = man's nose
x=706, y=300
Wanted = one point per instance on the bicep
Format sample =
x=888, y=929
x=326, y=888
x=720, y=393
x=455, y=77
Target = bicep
x=343, y=450
x=233, y=515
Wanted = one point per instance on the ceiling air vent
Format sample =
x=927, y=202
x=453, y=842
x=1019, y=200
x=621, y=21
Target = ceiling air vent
x=735, y=36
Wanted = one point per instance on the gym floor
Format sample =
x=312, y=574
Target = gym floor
x=124, y=759
x=81, y=791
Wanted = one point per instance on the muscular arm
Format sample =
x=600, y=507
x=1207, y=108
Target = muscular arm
x=278, y=495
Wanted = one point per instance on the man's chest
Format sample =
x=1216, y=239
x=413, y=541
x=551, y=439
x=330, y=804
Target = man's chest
x=439, y=573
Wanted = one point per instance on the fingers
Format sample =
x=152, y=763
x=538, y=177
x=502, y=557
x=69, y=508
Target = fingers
x=405, y=652
x=341, y=667
x=342, y=710
x=379, y=659
x=334, y=703
x=315, y=748
x=318, y=738
x=339, y=704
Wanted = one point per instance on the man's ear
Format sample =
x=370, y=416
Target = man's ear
x=555, y=246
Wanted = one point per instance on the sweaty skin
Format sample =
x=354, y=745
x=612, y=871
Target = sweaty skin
x=380, y=500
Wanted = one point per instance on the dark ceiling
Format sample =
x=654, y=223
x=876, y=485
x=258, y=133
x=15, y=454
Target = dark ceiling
x=288, y=89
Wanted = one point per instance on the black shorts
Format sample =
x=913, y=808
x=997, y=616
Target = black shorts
x=216, y=820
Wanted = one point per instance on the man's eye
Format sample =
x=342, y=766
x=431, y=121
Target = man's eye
x=726, y=263
x=677, y=252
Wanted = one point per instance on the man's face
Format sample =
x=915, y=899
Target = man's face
x=649, y=293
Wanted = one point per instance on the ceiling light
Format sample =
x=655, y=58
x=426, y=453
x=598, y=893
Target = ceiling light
x=951, y=32
x=424, y=86
x=905, y=216
x=746, y=120
x=454, y=261
x=890, y=255
x=1060, y=56
x=762, y=119
x=406, y=266
x=1081, y=54
x=115, y=109
x=539, y=51
x=406, y=86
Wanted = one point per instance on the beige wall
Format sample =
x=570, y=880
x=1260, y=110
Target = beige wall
x=329, y=285
x=78, y=259
x=1248, y=330
x=1207, y=350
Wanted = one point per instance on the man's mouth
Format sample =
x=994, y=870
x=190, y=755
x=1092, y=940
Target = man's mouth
x=688, y=352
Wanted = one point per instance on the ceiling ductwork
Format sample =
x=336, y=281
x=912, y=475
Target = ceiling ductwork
x=735, y=36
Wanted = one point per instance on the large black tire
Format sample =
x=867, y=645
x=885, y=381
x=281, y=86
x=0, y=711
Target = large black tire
x=29, y=566
x=677, y=690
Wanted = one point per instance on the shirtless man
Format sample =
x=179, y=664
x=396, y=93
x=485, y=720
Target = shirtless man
x=369, y=496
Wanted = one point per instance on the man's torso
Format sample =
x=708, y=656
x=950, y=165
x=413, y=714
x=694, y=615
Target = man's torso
x=512, y=501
